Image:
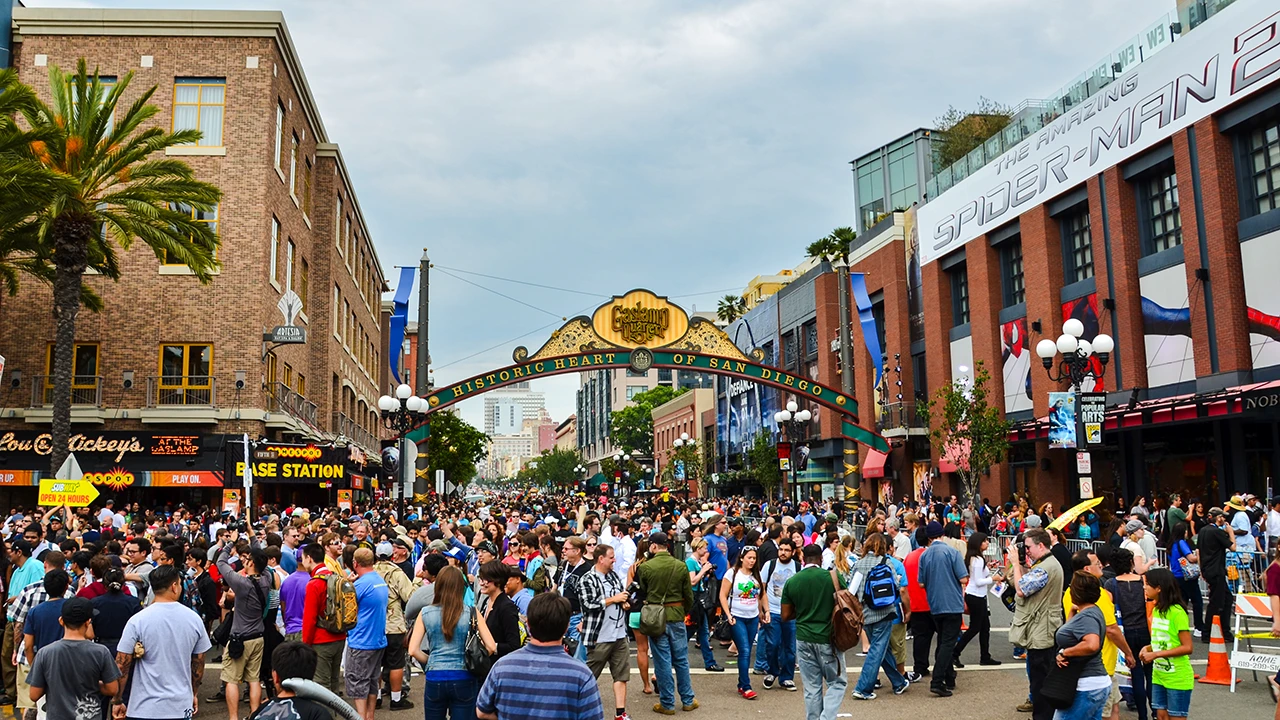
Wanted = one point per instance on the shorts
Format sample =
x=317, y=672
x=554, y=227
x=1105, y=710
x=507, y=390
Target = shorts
x=245, y=668
x=633, y=621
x=898, y=644
x=1112, y=700
x=361, y=672
x=23, y=701
x=396, y=652
x=1177, y=703
x=616, y=654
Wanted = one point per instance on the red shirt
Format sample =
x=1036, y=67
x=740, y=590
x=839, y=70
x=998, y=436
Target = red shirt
x=313, y=608
x=92, y=590
x=1273, y=579
x=919, y=601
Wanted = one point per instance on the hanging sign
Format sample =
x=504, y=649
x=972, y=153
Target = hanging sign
x=1093, y=413
x=1062, y=420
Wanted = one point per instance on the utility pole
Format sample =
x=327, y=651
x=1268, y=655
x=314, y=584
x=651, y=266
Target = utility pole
x=422, y=371
x=848, y=451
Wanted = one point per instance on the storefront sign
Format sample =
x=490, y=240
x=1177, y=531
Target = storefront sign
x=72, y=493
x=231, y=501
x=116, y=478
x=1261, y=400
x=640, y=318
x=286, y=335
x=117, y=446
x=344, y=500
x=17, y=477
x=195, y=478
x=1093, y=413
x=290, y=463
x=1062, y=420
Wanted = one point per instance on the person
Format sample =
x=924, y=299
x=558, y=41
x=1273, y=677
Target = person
x=250, y=604
x=23, y=572
x=1130, y=603
x=975, y=599
x=291, y=660
x=367, y=641
x=399, y=590
x=166, y=678
x=113, y=611
x=901, y=539
x=567, y=577
x=1037, y=613
x=138, y=552
x=516, y=590
x=604, y=633
x=717, y=547
x=706, y=593
x=666, y=582
x=425, y=594
x=1181, y=551
x=1134, y=531
x=623, y=544
x=743, y=600
x=1213, y=542
x=778, y=637
x=197, y=564
x=1273, y=597
x=808, y=598
x=438, y=642
x=941, y=572
x=878, y=619
x=921, y=621
x=74, y=675
x=500, y=631
x=540, y=680
x=1169, y=653
x=1114, y=642
x=329, y=646
x=1241, y=525
x=293, y=599
x=1079, y=642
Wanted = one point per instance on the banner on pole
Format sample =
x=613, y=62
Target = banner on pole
x=1062, y=420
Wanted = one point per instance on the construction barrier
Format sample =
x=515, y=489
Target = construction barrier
x=1264, y=659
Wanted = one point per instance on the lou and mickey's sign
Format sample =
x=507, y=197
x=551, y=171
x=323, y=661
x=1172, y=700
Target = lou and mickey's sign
x=114, y=460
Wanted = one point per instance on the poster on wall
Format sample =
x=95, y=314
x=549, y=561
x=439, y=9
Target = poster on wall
x=1260, y=257
x=1015, y=353
x=344, y=499
x=1062, y=420
x=1085, y=310
x=1093, y=414
x=922, y=482
x=915, y=298
x=1166, y=325
x=743, y=409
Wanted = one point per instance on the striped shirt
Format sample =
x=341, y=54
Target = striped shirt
x=540, y=683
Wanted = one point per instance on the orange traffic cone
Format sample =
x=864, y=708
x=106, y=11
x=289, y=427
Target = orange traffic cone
x=1219, y=670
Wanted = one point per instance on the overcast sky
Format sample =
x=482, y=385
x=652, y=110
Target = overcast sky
x=603, y=145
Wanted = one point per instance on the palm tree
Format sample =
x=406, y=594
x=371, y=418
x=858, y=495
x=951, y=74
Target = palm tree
x=833, y=246
x=731, y=308
x=113, y=190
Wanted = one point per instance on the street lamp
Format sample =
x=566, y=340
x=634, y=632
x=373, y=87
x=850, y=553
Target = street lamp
x=1077, y=354
x=400, y=414
x=793, y=421
x=684, y=441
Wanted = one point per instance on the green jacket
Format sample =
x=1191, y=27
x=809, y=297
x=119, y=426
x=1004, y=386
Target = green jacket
x=664, y=580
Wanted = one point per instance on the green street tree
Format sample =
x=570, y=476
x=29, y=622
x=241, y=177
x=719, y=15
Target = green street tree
x=967, y=430
x=833, y=246
x=114, y=187
x=762, y=458
x=691, y=455
x=731, y=308
x=632, y=427
x=555, y=467
x=455, y=446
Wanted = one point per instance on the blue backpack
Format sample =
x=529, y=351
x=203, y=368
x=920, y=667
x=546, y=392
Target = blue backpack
x=880, y=588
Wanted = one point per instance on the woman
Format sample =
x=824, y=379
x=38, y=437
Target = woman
x=1134, y=531
x=500, y=631
x=438, y=642
x=743, y=599
x=975, y=600
x=112, y=610
x=1046, y=514
x=1169, y=654
x=1131, y=604
x=1195, y=516
x=633, y=620
x=1079, y=640
x=1183, y=549
x=831, y=548
x=702, y=578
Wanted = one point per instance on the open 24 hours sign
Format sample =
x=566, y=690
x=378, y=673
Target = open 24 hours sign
x=279, y=463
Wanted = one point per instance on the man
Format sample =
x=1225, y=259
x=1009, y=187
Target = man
x=901, y=541
x=138, y=554
x=623, y=544
x=1037, y=613
x=1114, y=642
x=1174, y=515
x=666, y=583
x=293, y=596
x=921, y=622
x=1241, y=525
x=34, y=535
x=539, y=680
x=401, y=552
x=251, y=592
x=1213, y=542
x=604, y=633
x=290, y=540
x=328, y=645
x=360, y=538
x=778, y=636
x=107, y=513
x=807, y=517
x=808, y=599
x=291, y=660
x=516, y=590
x=22, y=603
x=768, y=549
x=568, y=575
x=74, y=674
x=367, y=641
x=174, y=641
x=941, y=573
x=426, y=594
x=717, y=547
x=735, y=541
x=399, y=590
x=590, y=532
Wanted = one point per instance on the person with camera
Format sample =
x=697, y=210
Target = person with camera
x=604, y=632
x=242, y=661
x=1037, y=611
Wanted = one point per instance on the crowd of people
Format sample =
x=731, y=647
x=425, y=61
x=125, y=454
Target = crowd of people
x=513, y=606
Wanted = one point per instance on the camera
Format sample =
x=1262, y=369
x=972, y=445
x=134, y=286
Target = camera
x=634, y=597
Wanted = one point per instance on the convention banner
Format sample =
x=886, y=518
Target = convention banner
x=1062, y=420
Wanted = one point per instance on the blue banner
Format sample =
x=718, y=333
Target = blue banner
x=1062, y=420
x=870, y=335
x=399, y=318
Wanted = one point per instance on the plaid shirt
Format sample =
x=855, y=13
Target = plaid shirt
x=31, y=596
x=593, y=590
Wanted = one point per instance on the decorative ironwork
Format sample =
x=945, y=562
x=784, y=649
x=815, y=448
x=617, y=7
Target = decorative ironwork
x=575, y=336
x=704, y=337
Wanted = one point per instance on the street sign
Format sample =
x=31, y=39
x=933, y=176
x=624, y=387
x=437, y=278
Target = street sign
x=1264, y=662
x=72, y=493
x=70, y=469
x=1084, y=463
x=439, y=482
x=1086, y=488
x=286, y=335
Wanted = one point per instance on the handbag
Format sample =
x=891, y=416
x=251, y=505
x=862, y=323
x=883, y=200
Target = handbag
x=653, y=620
x=475, y=654
x=1059, y=688
x=1190, y=570
x=722, y=631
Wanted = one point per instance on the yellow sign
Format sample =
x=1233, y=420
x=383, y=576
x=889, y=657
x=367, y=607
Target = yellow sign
x=344, y=499
x=231, y=501
x=72, y=493
x=640, y=319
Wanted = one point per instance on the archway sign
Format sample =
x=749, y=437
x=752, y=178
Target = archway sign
x=640, y=331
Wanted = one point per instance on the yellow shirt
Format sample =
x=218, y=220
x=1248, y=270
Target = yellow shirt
x=1109, y=650
x=335, y=566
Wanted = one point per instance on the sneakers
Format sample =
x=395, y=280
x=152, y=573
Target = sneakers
x=991, y=662
x=788, y=685
x=663, y=711
x=690, y=707
x=1020, y=655
x=941, y=691
x=859, y=696
x=747, y=694
x=900, y=690
x=914, y=677
x=860, y=653
x=404, y=704
x=955, y=663
x=623, y=716
x=715, y=668
x=758, y=671
x=769, y=680
x=1026, y=707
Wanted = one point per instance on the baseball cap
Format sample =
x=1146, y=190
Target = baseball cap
x=1033, y=521
x=383, y=549
x=77, y=611
x=933, y=529
x=659, y=539
x=402, y=543
x=22, y=546
x=488, y=547
x=457, y=554
x=1133, y=526
x=1216, y=512
x=438, y=546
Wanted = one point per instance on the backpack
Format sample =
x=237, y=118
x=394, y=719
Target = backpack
x=846, y=618
x=880, y=589
x=339, y=604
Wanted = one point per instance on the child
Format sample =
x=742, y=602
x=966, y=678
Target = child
x=291, y=660
x=1170, y=649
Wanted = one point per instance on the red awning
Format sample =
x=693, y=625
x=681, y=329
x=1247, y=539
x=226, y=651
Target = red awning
x=956, y=457
x=873, y=466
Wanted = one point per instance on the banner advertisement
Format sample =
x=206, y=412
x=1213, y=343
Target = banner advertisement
x=344, y=500
x=116, y=461
x=281, y=463
x=1062, y=420
x=1093, y=413
x=231, y=501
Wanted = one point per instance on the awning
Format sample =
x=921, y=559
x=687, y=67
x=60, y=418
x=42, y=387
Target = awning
x=873, y=466
x=956, y=457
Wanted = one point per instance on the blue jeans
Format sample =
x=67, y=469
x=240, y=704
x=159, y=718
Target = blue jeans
x=744, y=636
x=455, y=697
x=819, y=663
x=671, y=652
x=778, y=647
x=878, y=657
x=1087, y=705
x=704, y=640
x=764, y=645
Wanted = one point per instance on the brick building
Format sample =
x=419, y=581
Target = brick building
x=171, y=358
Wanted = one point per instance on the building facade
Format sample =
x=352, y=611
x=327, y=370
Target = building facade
x=567, y=434
x=682, y=418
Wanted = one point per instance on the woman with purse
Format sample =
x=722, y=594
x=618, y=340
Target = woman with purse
x=500, y=618
x=705, y=600
x=1078, y=685
x=633, y=618
x=1184, y=563
x=743, y=599
x=1131, y=604
x=439, y=642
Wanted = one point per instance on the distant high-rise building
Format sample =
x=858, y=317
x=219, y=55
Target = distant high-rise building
x=506, y=421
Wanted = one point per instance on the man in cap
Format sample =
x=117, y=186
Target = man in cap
x=1241, y=525
x=1213, y=542
x=74, y=674
x=25, y=571
x=736, y=539
x=667, y=584
x=401, y=550
x=399, y=590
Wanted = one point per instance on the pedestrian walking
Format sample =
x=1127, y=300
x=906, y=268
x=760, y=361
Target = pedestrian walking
x=666, y=582
x=111, y=612
x=75, y=676
x=329, y=644
x=399, y=590
x=921, y=621
x=438, y=642
x=743, y=600
x=1184, y=563
x=778, y=644
x=980, y=583
x=941, y=572
x=1079, y=645
x=604, y=633
x=242, y=661
x=1213, y=542
x=706, y=598
x=874, y=582
x=367, y=641
x=808, y=599
x=1129, y=594
x=1037, y=612
x=1169, y=653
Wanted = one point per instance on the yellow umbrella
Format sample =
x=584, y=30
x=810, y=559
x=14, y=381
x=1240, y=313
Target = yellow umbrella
x=1061, y=521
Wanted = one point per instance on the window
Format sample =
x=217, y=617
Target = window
x=302, y=385
x=273, y=364
x=664, y=375
x=288, y=267
x=198, y=104
x=1158, y=210
x=304, y=280
x=279, y=131
x=275, y=251
x=1078, y=244
x=959, y=295
x=348, y=320
x=634, y=390
x=811, y=340
x=337, y=226
x=790, y=353
x=288, y=375
x=84, y=375
x=293, y=166
x=108, y=83
x=633, y=374
x=1263, y=147
x=186, y=374
x=206, y=217
x=1015, y=292
x=333, y=310
x=306, y=188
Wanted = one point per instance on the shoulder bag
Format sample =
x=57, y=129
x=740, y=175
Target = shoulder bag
x=1059, y=688
x=475, y=654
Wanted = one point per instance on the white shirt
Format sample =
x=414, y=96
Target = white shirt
x=625, y=549
x=980, y=581
x=1273, y=523
x=1135, y=548
x=901, y=545
x=1244, y=543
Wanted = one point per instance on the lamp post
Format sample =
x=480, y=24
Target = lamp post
x=580, y=472
x=688, y=459
x=400, y=414
x=624, y=475
x=1077, y=354
x=794, y=424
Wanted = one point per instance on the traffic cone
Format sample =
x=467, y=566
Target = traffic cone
x=1219, y=670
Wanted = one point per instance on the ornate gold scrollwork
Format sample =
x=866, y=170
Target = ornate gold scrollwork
x=575, y=336
x=704, y=337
